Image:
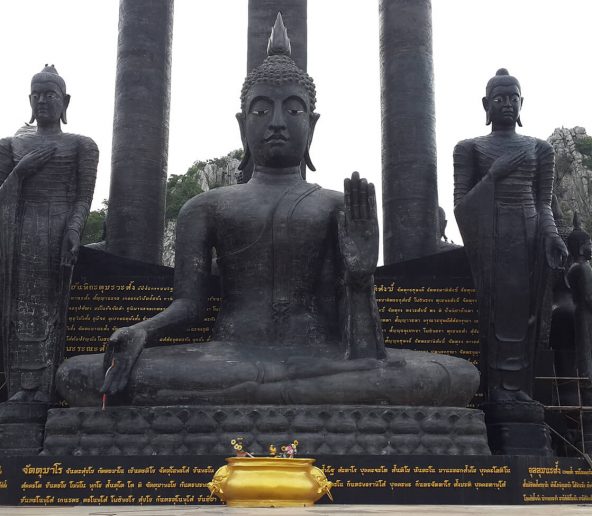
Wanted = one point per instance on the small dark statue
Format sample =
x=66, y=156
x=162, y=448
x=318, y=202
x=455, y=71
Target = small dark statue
x=298, y=322
x=444, y=244
x=503, y=183
x=579, y=278
x=47, y=180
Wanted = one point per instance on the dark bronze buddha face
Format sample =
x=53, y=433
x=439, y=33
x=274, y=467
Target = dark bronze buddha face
x=505, y=104
x=278, y=125
x=48, y=103
x=503, y=101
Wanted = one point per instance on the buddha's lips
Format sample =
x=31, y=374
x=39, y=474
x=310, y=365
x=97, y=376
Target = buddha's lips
x=276, y=138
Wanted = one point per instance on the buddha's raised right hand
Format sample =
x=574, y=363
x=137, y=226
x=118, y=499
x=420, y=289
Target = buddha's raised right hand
x=33, y=161
x=505, y=164
x=123, y=351
x=357, y=229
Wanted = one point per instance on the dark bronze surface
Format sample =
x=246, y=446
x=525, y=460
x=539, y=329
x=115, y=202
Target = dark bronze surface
x=47, y=179
x=298, y=322
x=503, y=183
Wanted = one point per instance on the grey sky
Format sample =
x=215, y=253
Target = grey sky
x=545, y=43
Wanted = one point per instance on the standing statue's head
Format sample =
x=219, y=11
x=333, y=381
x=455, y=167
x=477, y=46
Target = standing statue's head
x=277, y=117
x=503, y=100
x=578, y=241
x=48, y=98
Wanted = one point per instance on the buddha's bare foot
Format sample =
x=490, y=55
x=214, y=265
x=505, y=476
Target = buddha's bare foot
x=22, y=396
x=41, y=397
x=499, y=395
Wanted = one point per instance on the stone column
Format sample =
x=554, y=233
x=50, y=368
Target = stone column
x=262, y=15
x=409, y=180
x=135, y=222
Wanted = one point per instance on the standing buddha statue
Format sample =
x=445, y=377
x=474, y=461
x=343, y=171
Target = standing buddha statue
x=503, y=183
x=47, y=180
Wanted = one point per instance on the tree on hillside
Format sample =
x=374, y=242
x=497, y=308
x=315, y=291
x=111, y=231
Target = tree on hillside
x=95, y=225
x=199, y=177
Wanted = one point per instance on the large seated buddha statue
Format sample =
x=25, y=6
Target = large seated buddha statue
x=298, y=322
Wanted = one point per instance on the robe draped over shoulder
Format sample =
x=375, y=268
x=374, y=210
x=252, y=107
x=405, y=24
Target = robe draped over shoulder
x=503, y=224
x=35, y=213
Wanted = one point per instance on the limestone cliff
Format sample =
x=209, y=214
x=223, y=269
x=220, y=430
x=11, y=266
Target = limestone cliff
x=573, y=174
x=202, y=176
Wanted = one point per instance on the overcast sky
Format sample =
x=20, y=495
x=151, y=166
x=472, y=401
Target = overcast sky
x=545, y=43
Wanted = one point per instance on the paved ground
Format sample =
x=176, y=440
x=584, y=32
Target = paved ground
x=321, y=510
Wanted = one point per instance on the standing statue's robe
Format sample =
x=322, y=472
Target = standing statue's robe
x=503, y=225
x=35, y=214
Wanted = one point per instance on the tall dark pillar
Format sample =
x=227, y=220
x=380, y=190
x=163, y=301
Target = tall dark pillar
x=262, y=15
x=135, y=222
x=409, y=180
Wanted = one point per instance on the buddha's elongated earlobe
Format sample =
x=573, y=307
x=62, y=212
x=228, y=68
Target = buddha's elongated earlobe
x=32, y=112
x=485, y=102
x=518, y=121
x=314, y=117
x=241, y=119
x=66, y=104
x=308, y=161
x=246, y=158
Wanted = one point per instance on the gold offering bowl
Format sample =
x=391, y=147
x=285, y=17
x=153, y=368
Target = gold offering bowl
x=269, y=482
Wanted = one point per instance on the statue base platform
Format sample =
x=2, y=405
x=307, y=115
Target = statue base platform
x=517, y=428
x=21, y=427
x=119, y=482
x=208, y=430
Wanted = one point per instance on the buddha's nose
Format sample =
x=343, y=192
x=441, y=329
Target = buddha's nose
x=277, y=120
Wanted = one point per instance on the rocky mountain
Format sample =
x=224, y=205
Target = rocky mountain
x=573, y=174
x=201, y=177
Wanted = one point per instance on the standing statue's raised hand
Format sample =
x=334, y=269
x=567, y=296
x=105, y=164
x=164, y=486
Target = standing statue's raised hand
x=33, y=161
x=506, y=164
x=358, y=229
